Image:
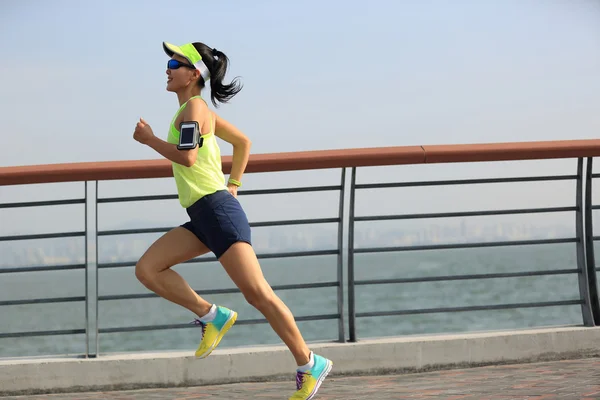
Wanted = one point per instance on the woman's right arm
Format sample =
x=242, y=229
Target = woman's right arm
x=241, y=146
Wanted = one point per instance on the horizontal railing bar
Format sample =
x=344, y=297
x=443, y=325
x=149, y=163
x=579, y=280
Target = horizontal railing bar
x=144, y=328
x=42, y=236
x=220, y=291
x=466, y=277
x=290, y=190
x=42, y=203
x=252, y=224
x=42, y=301
x=212, y=259
x=595, y=175
x=133, y=231
x=465, y=245
x=468, y=308
x=103, y=200
x=42, y=333
x=293, y=254
x=453, y=182
x=596, y=207
x=465, y=214
x=294, y=222
x=299, y=319
x=310, y=160
x=41, y=268
x=191, y=325
x=123, y=264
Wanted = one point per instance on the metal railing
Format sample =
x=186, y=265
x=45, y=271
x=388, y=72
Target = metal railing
x=47, y=300
x=337, y=251
x=343, y=159
x=588, y=273
x=588, y=297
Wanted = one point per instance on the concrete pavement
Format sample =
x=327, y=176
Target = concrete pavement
x=568, y=379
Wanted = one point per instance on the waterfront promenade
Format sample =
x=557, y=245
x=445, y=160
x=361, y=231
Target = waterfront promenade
x=96, y=368
x=566, y=379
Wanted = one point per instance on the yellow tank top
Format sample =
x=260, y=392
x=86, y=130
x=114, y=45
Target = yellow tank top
x=206, y=175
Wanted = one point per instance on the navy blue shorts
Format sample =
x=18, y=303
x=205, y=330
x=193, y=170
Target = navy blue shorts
x=219, y=221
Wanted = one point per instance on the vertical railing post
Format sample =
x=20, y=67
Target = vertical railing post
x=340, y=261
x=97, y=274
x=584, y=287
x=351, y=300
x=87, y=268
x=589, y=243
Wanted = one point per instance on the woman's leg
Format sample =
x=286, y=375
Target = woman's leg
x=242, y=266
x=153, y=269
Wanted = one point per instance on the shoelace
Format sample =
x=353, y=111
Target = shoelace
x=300, y=376
x=202, y=324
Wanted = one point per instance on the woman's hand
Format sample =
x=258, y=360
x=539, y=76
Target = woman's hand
x=232, y=189
x=143, y=132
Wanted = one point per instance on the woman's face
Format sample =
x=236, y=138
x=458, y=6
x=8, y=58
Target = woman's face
x=181, y=77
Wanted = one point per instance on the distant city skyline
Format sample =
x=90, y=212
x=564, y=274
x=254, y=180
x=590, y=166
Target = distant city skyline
x=296, y=238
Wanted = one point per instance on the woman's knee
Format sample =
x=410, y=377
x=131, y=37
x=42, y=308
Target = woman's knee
x=260, y=297
x=145, y=272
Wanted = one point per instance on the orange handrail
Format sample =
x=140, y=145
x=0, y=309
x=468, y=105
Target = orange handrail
x=308, y=160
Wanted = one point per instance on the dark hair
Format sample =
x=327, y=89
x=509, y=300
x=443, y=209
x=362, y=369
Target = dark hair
x=217, y=63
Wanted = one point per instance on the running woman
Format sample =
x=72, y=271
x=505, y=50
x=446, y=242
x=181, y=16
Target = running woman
x=217, y=221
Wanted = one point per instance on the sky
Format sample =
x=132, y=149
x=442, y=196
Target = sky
x=75, y=77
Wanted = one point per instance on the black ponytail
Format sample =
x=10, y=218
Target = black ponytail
x=217, y=63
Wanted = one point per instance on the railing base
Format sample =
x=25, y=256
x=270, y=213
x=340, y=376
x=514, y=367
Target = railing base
x=369, y=356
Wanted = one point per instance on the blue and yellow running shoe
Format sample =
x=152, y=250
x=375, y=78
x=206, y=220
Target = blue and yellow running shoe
x=213, y=331
x=308, y=382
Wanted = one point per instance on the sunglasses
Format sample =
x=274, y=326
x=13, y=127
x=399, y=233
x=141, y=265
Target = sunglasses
x=174, y=64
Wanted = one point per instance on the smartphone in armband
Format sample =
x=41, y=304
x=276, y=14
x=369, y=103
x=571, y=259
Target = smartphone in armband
x=189, y=136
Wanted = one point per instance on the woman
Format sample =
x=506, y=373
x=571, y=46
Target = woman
x=217, y=221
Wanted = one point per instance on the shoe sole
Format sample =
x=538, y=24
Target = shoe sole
x=228, y=324
x=322, y=377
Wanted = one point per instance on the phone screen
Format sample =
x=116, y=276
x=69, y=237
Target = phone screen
x=187, y=136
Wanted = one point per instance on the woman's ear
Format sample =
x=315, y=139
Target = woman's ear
x=196, y=74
